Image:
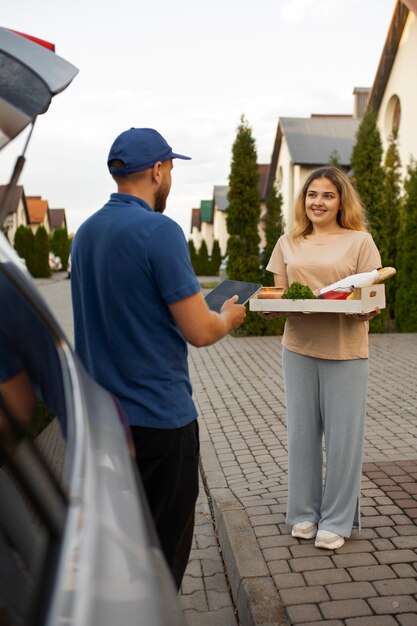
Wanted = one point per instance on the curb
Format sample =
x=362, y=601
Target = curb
x=253, y=590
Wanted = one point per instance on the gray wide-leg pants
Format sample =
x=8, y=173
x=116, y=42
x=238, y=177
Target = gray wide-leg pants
x=325, y=397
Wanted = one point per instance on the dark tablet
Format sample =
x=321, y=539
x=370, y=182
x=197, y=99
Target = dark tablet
x=228, y=288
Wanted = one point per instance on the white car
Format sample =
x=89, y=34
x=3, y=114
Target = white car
x=77, y=544
x=55, y=262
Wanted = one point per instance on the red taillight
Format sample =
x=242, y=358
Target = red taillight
x=41, y=42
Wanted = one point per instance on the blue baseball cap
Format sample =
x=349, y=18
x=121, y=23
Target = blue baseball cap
x=139, y=149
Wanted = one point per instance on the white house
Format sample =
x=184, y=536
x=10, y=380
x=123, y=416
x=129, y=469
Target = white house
x=394, y=91
x=18, y=214
x=219, y=216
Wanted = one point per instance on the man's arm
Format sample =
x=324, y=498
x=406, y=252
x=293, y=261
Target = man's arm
x=202, y=327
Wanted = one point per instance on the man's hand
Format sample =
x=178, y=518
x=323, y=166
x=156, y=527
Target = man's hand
x=202, y=327
x=235, y=313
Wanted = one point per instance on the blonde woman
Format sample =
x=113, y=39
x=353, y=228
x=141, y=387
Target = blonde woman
x=325, y=360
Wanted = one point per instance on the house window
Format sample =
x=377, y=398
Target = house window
x=393, y=115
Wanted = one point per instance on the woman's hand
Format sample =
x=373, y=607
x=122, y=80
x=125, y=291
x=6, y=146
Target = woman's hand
x=364, y=317
x=271, y=315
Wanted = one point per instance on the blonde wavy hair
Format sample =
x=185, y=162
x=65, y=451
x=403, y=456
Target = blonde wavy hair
x=351, y=215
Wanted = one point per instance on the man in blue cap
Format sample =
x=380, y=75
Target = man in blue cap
x=137, y=302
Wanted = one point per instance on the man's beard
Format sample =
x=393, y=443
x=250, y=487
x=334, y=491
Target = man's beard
x=160, y=201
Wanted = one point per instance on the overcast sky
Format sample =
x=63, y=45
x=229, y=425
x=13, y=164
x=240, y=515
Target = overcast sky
x=189, y=69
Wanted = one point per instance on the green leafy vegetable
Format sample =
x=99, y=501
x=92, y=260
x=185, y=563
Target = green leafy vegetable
x=297, y=291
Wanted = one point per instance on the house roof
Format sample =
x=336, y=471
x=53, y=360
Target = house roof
x=195, y=219
x=220, y=201
x=16, y=195
x=206, y=210
x=57, y=218
x=37, y=209
x=220, y=197
x=312, y=140
x=389, y=52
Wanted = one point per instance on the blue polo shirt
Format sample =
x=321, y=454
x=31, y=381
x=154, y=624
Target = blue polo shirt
x=128, y=263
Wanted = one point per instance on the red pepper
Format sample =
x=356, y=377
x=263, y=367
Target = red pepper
x=334, y=294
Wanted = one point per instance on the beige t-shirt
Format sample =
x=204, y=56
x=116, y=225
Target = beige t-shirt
x=325, y=335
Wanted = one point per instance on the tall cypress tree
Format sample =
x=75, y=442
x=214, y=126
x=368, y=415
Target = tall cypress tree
x=203, y=259
x=369, y=179
x=243, y=208
x=392, y=212
x=406, y=278
x=216, y=259
x=60, y=245
x=368, y=174
x=193, y=255
x=274, y=228
x=23, y=244
x=334, y=159
x=41, y=267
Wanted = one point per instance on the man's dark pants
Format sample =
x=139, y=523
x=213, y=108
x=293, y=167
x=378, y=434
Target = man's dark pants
x=168, y=465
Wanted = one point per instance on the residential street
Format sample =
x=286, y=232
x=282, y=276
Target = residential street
x=275, y=578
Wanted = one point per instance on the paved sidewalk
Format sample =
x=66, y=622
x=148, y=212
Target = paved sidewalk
x=275, y=578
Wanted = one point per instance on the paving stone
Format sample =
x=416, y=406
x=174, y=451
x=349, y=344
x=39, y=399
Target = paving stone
x=313, y=563
x=394, y=604
x=376, y=521
x=407, y=619
x=274, y=554
x=356, y=545
x=407, y=530
x=343, y=591
x=405, y=542
x=211, y=566
x=194, y=568
x=218, y=599
x=190, y=584
x=354, y=559
x=303, y=613
x=285, y=581
x=387, y=532
x=303, y=595
x=196, y=601
x=327, y=576
x=401, y=586
x=266, y=531
x=371, y=572
x=278, y=567
x=343, y=609
x=382, y=544
x=396, y=556
x=206, y=541
x=223, y=617
x=372, y=620
x=217, y=582
x=327, y=622
x=403, y=570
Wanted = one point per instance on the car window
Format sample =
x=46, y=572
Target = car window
x=33, y=455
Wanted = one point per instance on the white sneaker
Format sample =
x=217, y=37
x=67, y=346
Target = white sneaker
x=304, y=530
x=328, y=540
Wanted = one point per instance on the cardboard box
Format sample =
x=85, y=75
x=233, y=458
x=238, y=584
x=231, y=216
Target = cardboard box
x=365, y=299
